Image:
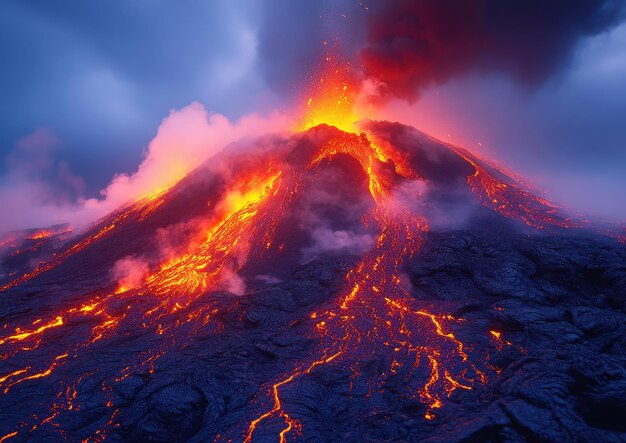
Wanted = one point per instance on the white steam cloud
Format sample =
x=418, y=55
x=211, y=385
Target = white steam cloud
x=130, y=272
x=29, y=192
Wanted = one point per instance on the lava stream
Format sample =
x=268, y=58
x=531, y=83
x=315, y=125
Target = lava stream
x=141, y=209
x=376, y=317
x=248, y=213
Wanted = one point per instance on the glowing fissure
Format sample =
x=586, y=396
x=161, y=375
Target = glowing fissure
x=376, y=317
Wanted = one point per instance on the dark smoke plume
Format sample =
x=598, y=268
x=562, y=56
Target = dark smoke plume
x=413, y=44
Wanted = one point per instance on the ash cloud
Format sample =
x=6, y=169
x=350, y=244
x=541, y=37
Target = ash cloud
x=415, y=44
x=402, y=47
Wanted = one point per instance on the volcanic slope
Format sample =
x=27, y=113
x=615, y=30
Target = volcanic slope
x=322, y=286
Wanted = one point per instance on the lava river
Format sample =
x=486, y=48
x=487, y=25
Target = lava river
x=375, y=316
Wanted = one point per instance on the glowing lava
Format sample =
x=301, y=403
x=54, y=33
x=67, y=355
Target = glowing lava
x=332, y=100
x=374, y=319
x=498, y=191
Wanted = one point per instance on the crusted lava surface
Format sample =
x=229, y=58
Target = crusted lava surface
x=319, y=286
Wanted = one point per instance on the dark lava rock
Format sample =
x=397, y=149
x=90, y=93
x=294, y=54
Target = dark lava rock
x=595, y=321
x=174, y=413
x=557, y=356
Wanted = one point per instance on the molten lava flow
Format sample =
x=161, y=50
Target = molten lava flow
x=511, y=199
x=19, y=335
x=376, y=318
x=228, y=239
x=247, y=215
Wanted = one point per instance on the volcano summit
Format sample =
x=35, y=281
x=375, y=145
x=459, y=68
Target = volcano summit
x=319, y=286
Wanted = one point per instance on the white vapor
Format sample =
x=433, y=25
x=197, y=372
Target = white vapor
x=185, y=139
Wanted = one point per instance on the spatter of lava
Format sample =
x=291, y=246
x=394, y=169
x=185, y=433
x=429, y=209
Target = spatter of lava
x=374, y=314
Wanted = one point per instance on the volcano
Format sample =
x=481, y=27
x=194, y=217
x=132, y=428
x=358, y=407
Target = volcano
x=322, y=285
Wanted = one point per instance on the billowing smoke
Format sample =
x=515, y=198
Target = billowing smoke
x=414, y=44
x=185, y=139
x=40, y=191
x=130, y=272
x=337, y=241
x=232, y=282
x=400, y=47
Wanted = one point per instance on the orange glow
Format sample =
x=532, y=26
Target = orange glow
x=41, y=234
x=89, y=308
x=498, y=338
x=6, y=437
x=332, y=99
x=23, y=335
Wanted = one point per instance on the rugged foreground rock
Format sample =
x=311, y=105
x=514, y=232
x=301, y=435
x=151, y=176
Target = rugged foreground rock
x=557, y=303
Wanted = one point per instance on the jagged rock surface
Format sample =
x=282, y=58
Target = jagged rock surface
x=558, y=301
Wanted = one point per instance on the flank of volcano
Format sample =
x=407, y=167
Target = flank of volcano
x=342, y=282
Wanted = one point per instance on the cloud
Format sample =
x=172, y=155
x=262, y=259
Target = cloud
x=33, y=159
x=414, y=44
x=326, y=240
x=37, y=186
x=185, y=139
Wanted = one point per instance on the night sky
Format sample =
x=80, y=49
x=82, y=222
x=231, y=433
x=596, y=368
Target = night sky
x=537, y=85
